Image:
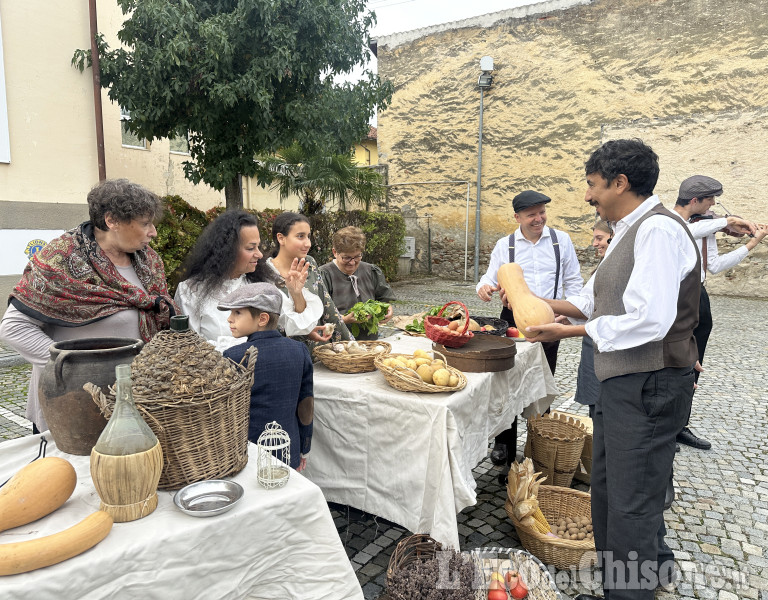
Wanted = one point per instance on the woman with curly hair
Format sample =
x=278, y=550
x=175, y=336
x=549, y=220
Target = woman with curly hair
x=100, y=279
x=290, y=233
x=224, y=258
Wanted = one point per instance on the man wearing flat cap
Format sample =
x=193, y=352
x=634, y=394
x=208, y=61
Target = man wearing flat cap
x=551, y=270
x=694, y=200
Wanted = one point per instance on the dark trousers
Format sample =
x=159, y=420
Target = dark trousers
x=637, y=418
x=704, y=328
x=509, y=436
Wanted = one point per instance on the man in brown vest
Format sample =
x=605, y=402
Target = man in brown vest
x=642, y=304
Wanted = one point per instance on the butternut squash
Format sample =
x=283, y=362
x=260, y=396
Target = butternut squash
x=35, y=491
x=527, y=308
x=21, y=557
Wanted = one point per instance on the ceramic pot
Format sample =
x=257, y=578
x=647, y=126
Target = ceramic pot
x=72, y=416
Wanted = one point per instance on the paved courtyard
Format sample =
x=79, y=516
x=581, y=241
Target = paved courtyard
x=718, y=525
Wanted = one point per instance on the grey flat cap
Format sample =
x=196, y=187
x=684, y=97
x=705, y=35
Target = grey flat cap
x=527, y=199
x=699, y=186
x=261, y=296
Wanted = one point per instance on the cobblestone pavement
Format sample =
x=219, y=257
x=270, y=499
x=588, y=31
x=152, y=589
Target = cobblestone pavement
x=718, y=525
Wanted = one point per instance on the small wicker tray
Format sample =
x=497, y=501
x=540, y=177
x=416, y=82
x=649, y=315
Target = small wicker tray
x=500, y=326
x=406, y=380
x=351, y=363
x=556, y=503
x=541, y=585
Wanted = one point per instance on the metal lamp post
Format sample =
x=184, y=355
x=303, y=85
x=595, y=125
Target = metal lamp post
x=484, y=82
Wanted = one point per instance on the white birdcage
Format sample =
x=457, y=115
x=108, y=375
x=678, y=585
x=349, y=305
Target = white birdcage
x=274, y=456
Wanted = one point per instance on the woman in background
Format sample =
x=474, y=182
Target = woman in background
x=290, y=234
x=349, y=280
x=587, y=384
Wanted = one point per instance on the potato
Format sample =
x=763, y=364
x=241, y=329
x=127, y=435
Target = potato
x=453, y=381
x=437, y=364
x=411, y=364
x=441, y=377
x=421, y=354
x=425, y=372
x=422, y=361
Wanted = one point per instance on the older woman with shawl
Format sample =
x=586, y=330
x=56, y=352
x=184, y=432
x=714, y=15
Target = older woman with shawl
x=100, y=279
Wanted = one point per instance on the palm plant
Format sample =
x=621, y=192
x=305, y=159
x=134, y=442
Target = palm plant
x=321, y=181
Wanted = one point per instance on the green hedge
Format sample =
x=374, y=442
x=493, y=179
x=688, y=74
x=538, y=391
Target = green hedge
x=181, y=224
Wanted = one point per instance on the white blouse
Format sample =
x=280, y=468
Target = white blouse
x=211, y=323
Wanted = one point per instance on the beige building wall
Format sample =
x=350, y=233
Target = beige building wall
x=687, y=76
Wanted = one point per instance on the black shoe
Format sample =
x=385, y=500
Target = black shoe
x=677, y=447
x=687, y=437
x=503, y=479
x=669, y=496
x=587, y=597
x=499, y=454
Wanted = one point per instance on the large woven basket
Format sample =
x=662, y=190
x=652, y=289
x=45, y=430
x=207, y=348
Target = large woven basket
x=407, y=380
x=351, y=363
x=556, y=442
x=433, y=332
x=204, y=435
x=556, y=503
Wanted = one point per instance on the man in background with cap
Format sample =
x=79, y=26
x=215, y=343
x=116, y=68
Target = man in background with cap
x=696, y=197
x=282, y=388
x=551, y=270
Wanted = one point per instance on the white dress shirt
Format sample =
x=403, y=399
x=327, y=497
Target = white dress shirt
x=211, y=323
x=538, y=263
x=664, y=255
x=704, y=233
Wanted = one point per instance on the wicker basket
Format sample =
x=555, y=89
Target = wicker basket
x=351, y=363
x=407, y=380
x=557, y=503
x=203, y=435
x=556, y=443
x=411, y=549
x=541, y=585
x=440, y=336
x=500, y=326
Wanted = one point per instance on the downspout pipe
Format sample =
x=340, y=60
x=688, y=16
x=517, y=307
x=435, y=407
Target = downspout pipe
x=96, y=72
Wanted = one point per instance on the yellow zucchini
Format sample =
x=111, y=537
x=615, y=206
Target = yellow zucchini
x=20, y=557
x=35, y=491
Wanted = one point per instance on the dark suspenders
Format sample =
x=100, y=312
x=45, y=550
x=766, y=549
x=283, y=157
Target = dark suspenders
x=555, y=246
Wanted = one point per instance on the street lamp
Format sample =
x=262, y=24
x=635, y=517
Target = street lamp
x=484, y=82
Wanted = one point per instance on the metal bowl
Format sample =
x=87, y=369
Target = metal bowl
x=208, y=498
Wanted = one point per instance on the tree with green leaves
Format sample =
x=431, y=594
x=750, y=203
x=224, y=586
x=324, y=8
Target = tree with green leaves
x=320, y=180
x=242, y=78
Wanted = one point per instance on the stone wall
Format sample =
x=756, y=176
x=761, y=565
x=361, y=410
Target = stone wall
x=687, y=76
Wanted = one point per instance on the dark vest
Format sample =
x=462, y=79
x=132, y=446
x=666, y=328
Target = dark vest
x=678, y=348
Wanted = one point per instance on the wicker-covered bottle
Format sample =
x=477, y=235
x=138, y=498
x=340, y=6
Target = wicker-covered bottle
x=127, y=460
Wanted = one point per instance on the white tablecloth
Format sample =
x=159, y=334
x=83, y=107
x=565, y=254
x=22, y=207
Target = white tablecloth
x=274, y=544
x=408, y=457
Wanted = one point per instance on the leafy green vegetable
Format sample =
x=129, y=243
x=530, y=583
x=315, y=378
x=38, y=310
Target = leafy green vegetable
x=418, y=324
x=367, y=314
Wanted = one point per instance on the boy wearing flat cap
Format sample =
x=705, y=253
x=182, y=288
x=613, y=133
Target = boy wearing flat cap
x=550, y=269
x=696, y=197
x=282, y=382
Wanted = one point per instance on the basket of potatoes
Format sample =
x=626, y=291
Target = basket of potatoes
x=563, y=547
x=421, y=371
x=351, y=357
